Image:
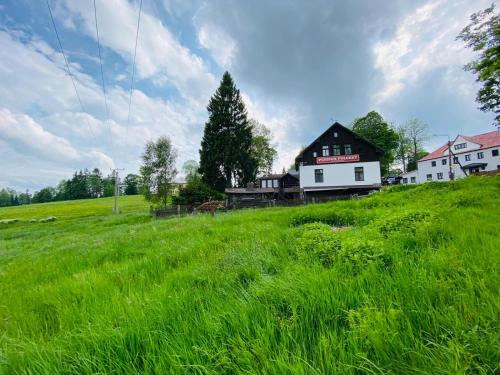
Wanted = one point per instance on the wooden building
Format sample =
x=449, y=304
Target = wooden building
x=338, y=162
x=277, y=187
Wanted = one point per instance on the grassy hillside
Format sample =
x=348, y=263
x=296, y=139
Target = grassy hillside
x=406, y=282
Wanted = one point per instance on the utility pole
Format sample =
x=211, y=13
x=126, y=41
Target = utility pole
x=450, y=173
x=115, y=174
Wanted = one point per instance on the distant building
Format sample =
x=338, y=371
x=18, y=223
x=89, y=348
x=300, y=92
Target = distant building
x=469, y=154
x=282, y=187
x=338, y=162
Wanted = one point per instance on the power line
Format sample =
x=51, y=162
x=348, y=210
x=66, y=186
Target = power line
x=100, y=61
x=102, y=76
x=67, y=67
x=133, y=65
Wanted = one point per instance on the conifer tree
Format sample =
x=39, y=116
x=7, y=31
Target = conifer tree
x=226, y=158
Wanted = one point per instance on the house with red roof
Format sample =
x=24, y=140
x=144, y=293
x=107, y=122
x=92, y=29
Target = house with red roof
x=465, y=155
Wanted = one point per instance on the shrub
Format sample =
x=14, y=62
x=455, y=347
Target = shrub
x=336, y=218
x=405, y=223
x=362, y=253
x=318, y=243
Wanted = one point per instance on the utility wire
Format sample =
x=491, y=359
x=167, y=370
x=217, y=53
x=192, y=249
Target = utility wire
x=100, y=61
x=67, y=67
x=102, y=76
x=133, y=65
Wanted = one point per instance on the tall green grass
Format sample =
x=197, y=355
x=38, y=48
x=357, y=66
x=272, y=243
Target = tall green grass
x=410, y=285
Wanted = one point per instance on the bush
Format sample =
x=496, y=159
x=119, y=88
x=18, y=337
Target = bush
x=196, y=192
x=318, y=243
x=405, y=223
x=336, y=218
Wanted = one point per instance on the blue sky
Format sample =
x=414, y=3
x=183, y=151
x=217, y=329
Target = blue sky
x=300, y=65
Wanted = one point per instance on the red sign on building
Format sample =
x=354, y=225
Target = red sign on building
x=337, y=159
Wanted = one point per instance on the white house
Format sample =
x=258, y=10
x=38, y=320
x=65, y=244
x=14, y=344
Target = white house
x=468, y=155
x=339, y=161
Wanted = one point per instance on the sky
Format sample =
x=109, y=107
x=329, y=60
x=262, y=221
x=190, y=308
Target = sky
x=300, y=66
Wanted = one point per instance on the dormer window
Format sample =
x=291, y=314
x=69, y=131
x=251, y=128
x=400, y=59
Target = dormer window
x=326, y=151
x=336, y=150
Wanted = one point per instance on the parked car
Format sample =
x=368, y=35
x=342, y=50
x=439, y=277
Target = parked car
x=392, y=180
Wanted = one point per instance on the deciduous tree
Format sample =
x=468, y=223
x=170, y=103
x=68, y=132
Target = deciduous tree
x=158, y=170
x=483, y=36
x=374, y=128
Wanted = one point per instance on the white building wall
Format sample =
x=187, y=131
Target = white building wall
x=425, y=167
x=411, y=178
x=338, y=175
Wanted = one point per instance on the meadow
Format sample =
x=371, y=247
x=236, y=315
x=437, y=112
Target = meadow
x=405, y=281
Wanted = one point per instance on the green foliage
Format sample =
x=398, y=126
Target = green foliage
x=263, y=151
x=132, y=184
x=374, y=128
x=226, y=158
x=318, y=243
x=196, y=192
x=94, y=293
x=483, y=35
x=158, y=171
x=405, y=222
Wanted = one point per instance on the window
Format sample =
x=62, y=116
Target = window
x=315, y=154
x=326, y=151
x=455, y=160
x=429, y=177
x=433, y=163
x=347, y=150
x=335, y=135
x=480, y=155
x=262, y=183
x=460, y=146
x=318, y=175
x=467, y=157
x=269, y=183
x=275, y=183
x=483, y=168
x=440, y=175
x=494, y=152
x=359, y=174
x=413, y=180
x=336, y=149
x=405, y=180
x=443, y=162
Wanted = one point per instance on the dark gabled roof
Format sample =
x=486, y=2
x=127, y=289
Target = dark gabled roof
x=277, y=176
x=337, y=124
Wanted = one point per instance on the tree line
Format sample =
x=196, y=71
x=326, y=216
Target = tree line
x=84, y=184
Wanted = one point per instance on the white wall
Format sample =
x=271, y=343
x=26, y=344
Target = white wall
x=425, y=167
x=341, y=174
x=409, y=176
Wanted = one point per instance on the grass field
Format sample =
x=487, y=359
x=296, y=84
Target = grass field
x=407, y=283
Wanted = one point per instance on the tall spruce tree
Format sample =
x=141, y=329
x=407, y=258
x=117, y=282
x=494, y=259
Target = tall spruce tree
x=226, y=158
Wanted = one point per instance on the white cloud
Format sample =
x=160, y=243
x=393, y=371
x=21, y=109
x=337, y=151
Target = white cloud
x=283, y=125
x=424, y=41
x=221, y=46
x=159, y=54
x=23, y=130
